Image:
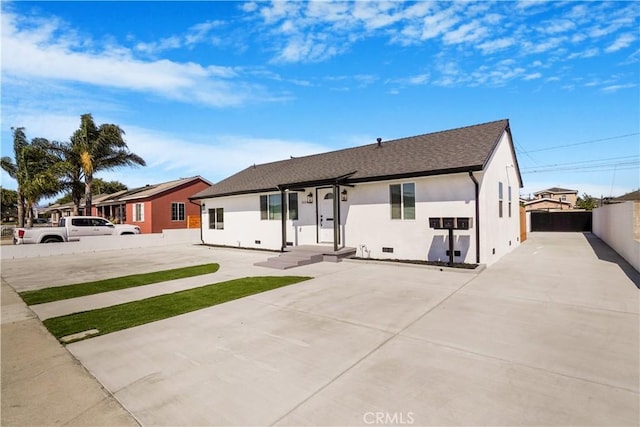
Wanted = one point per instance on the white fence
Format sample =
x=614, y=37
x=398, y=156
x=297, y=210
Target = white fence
x=618, y=225
x=102, y=243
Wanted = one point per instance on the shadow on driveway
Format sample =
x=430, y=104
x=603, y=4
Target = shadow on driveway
x=604, y=252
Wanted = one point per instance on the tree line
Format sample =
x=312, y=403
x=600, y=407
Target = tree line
x=44, y=168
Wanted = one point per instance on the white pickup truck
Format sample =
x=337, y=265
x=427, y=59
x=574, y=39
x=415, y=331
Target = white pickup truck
x=71, y=228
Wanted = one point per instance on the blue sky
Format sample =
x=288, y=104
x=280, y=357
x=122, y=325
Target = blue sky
x=209, y=88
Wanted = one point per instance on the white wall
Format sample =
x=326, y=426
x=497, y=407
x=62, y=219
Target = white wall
x=499, y=235
x=618, y=226
x=101, y=243
x=367, y=219
x=243, y=226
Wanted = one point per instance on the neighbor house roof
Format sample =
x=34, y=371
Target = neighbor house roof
x=548, y=200
x=632, y=196
x=458, y=150
x=557, y=190
x=148, y=191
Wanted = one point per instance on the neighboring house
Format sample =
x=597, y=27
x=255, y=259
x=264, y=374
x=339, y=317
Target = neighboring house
x=552, y=199
x=153, y=207
x=633, y=196
x=378, y=198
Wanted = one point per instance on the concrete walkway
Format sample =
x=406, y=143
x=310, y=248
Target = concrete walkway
x=42, y=384
x=547, y=336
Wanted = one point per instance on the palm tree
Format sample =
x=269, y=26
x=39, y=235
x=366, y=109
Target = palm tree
x=69, y=172
x=100, y=148
x=16, y=170
x=33, y=170
x=42, y=180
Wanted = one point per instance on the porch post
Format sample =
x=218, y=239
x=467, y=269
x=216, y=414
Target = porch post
x=336, y=216
x=283, y=204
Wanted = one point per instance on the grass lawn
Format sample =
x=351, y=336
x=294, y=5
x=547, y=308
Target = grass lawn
x=123, y=316
x=89, y=288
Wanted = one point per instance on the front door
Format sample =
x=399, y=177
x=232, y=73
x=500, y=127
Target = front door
x=325, y=215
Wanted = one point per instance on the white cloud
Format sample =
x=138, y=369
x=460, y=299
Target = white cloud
x=621, y=42
x=589, y=53
x=615, y=88
x=47, y=51
x=465, y=33
x=492, y=46
x=532, y=76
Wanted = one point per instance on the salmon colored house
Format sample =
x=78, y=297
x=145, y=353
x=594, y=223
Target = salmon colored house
x=157, y=207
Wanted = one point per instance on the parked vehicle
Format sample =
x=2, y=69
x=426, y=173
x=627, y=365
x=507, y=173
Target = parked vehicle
x=72, y=228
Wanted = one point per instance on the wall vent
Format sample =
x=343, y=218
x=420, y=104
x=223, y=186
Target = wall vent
x=387, y=250
x=258, y=242
x=289, y=243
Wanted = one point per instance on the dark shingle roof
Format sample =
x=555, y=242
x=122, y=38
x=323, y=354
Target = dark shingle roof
x=457, y=150
x=556, y=190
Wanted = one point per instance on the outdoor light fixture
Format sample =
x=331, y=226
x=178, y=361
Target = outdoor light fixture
x=310, y=197
x=343, y=195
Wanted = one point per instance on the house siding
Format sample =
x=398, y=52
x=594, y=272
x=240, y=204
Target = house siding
x=365, y=220
x=161, y=207
x=499, y=234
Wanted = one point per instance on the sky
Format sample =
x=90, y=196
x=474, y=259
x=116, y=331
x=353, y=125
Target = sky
x=208, y=88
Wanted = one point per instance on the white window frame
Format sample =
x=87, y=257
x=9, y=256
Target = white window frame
x=403, y=207
x=138, y=212
x=214, y=214
x=178, y=218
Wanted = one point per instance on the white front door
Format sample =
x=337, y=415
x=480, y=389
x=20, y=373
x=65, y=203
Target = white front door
x=325, y=215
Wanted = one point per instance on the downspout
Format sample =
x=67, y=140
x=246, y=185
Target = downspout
x=336, y=217
x=283, y=203
x=477, y=219
x=200, y=209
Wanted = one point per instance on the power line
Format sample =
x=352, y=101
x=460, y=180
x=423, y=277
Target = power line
x=578, y=163
x=582, y=143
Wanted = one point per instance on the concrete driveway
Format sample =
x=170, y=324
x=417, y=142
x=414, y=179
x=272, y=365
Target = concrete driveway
x=547, y=336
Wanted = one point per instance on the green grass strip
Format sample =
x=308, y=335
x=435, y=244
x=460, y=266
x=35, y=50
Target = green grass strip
x=135, y=313
x=58, y=293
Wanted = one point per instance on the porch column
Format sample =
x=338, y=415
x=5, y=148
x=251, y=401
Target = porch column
x=283, y=204
x=336, y=216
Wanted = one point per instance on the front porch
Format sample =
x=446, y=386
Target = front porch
x=306, y=254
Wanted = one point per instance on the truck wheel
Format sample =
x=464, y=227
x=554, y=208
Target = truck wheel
x=51, y=240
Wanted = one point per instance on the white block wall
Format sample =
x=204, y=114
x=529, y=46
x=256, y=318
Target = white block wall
x=618, y=225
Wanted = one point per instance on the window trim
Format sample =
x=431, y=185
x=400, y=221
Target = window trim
x=216, y=214
x=138, y=212
x=184, y=215
x=500, y=201
x=402, y=208
x=269, y=211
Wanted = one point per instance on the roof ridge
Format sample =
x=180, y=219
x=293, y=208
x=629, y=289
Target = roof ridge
x=375, y=143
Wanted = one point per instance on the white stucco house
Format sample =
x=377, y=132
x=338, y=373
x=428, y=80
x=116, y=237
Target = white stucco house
x=378, y=198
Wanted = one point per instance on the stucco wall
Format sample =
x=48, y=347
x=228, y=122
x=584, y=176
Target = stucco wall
x=618, y=225
x=499, y=235
x=369, y=227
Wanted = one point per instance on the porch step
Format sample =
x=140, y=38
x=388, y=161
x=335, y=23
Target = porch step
x=304, y=255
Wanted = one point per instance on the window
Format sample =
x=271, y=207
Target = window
x=500, y=199
x=403, y=201
x=177, y=211
x=216, y=219
x=509, y=190
x=293, y=206
x=138, y=212
x=563, y=198
x=271, y=206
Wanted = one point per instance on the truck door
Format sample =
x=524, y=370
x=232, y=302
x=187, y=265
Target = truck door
x=102, y=227
x=79, y=227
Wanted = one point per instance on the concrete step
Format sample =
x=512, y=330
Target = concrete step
x=304, y=255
